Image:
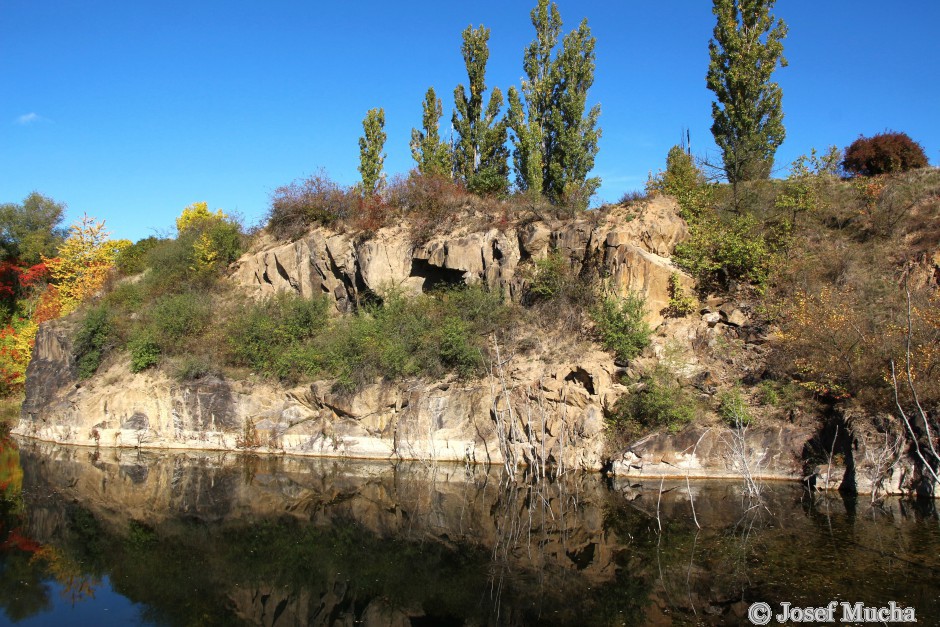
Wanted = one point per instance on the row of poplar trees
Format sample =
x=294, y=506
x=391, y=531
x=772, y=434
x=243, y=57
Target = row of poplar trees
x=553, y=134
x=555, y=137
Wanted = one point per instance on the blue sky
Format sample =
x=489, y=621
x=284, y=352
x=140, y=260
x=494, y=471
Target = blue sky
x=129, y=111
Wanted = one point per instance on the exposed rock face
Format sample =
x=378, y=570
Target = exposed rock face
x=768, y=453
x=544, y=411
x=630, y=245
x=555, y=416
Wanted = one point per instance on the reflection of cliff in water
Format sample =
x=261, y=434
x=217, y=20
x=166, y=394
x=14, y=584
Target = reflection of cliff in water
x=222, y=539
x=301, y=541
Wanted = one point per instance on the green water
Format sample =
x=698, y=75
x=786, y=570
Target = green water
x=126, y=537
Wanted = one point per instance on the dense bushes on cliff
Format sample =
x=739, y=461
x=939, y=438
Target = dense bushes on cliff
x=841, y=298
x=291, y=338
x=831, y=262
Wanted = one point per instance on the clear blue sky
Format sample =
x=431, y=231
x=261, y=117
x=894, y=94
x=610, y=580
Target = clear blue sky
x=130, y=111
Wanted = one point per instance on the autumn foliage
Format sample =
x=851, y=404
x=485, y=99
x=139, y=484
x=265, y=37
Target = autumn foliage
x=55, y=287
x=883, y=154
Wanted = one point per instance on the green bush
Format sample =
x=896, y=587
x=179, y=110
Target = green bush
x=768, y=394
x=126, y=297
x=550, y=278
x=660, y=404
x=176, y=317
x=457, y=350
x=621, y=325
x=268, y=336
x=144, y=350
x=721, y=250
x=133, y=259
x=170, y=263
x=559, y=294
x=92, y=339
x=680, y=304
x=192, y=367
x=733, y=409
x=290, y=338
x=684, y=181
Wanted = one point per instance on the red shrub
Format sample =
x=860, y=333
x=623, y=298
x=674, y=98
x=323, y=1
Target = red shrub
x=883, y=153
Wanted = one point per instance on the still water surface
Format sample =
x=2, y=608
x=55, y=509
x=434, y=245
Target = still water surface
x=103, y=537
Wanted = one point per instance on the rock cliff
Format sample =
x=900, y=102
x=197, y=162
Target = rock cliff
x=542, y=410
x=545, y=408
x=629, y=245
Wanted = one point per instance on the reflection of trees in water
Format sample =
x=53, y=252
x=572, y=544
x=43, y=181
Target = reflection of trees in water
x=22, y=591
x=265, y=540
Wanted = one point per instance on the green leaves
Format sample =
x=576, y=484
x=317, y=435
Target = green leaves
x=431, y=154
x=555, y=137
x=371, y=157
x=748, y=118
x=621, y=325
x=480, y=153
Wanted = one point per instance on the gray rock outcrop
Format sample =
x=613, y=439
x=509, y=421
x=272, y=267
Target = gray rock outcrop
x=629, y=245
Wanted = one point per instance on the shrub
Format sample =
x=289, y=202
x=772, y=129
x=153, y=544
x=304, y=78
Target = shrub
x=659, y=403
x=431, y=201
x=550, y=277
x=170, y=265
x=684, y=181
x=175, y=317
x=269, y=335
x=559, y=294
x=300, y=205
x=488, y=182
x=126, y=297
x=144, y=350
x=91, y=340
x=621, y=325
x=718, y=251
x=192, y=367
x=133, y=259
x=883, y=154
x=217, y=244
x=633, y=196
x=680, y=304
x=733, y=409
x=768, y=394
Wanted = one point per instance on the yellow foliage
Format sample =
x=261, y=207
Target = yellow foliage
x=83, y=262
x=196, y=214
x=204, y=253
x=16, y=347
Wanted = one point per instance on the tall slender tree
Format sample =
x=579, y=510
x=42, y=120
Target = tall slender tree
x=533, y=139
x=577, y=132
x=371, y=157
x=431, y=154
x=748, y=117
x=480, y=153
x=555, y=137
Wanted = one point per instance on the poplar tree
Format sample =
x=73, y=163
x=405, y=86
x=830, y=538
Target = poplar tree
x=554, y=136
x=480, y=153
x=748, y=118
x=371, y=157
x=431, y=154
x=576, y=129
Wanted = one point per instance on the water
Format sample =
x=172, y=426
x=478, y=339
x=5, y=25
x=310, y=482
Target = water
x=122, y=537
